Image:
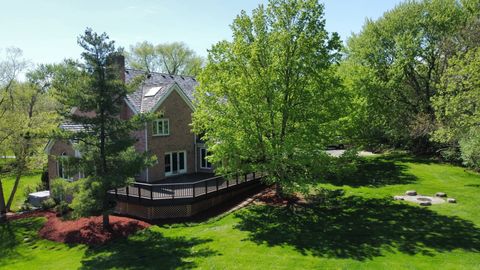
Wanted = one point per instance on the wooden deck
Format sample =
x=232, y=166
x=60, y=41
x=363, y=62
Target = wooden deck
x=183, y=188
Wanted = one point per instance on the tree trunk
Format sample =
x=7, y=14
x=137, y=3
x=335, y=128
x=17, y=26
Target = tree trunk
x=3, y=209
x=278, y=190
x=106, y=221
x=14, y=189
x=105, y=212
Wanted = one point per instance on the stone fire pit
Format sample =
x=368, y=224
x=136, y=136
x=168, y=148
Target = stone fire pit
x=422, y=200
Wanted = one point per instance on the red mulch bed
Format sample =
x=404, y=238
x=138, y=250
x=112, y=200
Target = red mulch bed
x=270, y=197
x=87, y=231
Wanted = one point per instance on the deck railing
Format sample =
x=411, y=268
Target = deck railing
x=190, y=190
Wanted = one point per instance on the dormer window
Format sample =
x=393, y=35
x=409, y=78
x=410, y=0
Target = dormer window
x=161, y=127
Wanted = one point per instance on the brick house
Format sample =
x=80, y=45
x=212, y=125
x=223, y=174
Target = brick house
x=181, y=183
x=178, y=150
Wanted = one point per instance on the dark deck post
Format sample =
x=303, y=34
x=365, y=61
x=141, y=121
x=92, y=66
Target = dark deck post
x=216, y=182
x=206, y=187
x=193, y=191
x=139, y=193
x=116, y=192
x=173, y=192
x=126, y=191
x=245, y=177
x=253, y=176
x=228, y=181
x=237, y=178
x=151, y=192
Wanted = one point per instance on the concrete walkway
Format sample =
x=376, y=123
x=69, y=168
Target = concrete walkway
x=337, y=153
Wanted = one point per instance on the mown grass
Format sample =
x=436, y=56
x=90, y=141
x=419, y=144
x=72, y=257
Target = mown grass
x=358, y=226
x=30, y=180
x=22, y=248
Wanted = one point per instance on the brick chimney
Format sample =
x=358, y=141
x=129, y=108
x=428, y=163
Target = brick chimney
x=119, y=61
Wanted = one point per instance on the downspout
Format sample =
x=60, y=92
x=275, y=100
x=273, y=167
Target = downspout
x=195, y=151
x=146, y=148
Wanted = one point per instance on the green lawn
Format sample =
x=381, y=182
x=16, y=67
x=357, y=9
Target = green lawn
x=31, y=180
x=357, y=226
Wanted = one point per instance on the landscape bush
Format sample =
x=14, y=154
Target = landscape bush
x=62, y=208
x=26, y=207
x=62, y=190
x=48, y=204
x=344, y=166
x=469, y=147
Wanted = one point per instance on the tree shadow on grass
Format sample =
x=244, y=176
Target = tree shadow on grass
x=148, y=249
x=373, y=172
x=8, y=241
x=420, y=159
x=14, y=233
x=358, y=228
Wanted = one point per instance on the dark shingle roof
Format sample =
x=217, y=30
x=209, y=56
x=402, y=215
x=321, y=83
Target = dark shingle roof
x=72, y=127
x=143, y=103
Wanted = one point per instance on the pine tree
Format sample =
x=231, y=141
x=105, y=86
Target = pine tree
x=106, y=142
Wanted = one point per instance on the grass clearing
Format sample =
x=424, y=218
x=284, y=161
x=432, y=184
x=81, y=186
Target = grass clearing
x=357, y=227
x=30, y=180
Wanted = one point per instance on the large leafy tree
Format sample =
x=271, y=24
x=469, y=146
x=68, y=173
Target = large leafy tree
x=458, y=100
x=394, y=66
x=27, y=123
x=96, y=90
x=269, y=100
x=173, y=58
x=10, y=67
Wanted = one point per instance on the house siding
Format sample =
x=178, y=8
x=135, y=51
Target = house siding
x=58, y=148
x=125, y=114
x=181, y=138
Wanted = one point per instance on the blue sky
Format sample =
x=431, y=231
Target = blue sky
x=47, y=30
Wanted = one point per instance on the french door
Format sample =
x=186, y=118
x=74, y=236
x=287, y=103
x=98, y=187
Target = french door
x=175, y=163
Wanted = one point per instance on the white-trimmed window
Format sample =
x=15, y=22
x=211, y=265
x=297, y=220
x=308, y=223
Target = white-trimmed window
x=161, y=127
x=175, y=163
x=62, y=163
x=204, y=163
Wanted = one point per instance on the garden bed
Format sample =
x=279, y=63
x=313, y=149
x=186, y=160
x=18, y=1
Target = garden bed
x=87, y=230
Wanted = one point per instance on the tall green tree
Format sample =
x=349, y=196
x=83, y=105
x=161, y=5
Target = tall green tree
x=96, y=90
x=10, y=67
x=28, y=122
x=394, y=66
x=269, y=100
x=173, y=58
x=457, y=102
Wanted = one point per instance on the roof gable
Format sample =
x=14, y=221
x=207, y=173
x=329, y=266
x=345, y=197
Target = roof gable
x=173, y=88
x=156, y=87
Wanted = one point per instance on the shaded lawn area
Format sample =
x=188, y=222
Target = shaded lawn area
x=29, y=180
x=21, y=248
x=374, y=172
x=356, y=227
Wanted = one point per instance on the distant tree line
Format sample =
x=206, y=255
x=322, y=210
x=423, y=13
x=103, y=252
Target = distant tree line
x=172, y=58
x=414, y=76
